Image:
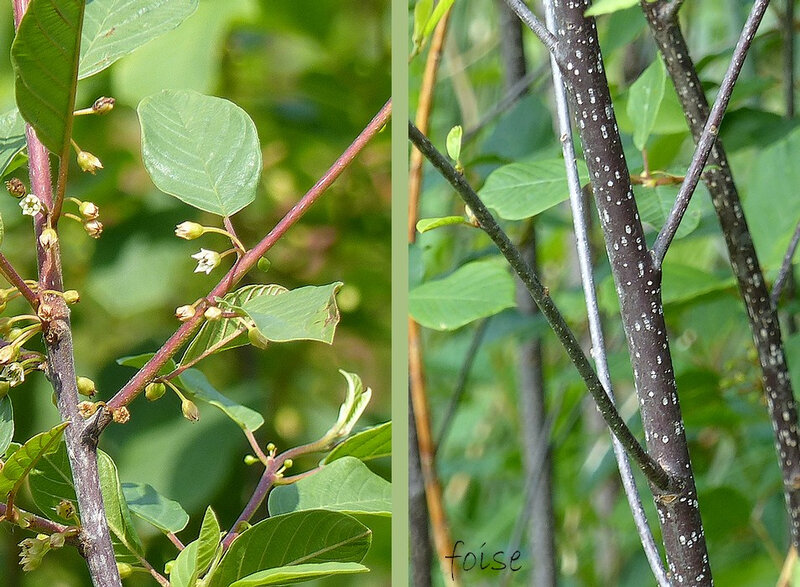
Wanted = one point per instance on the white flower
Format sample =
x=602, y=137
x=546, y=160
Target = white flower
x=206, y=261
x=184, y=313
x=31, y=205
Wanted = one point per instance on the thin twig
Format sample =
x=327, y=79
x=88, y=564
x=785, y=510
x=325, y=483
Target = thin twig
x=42, y=525
x=461, y=382
x=709, y=134
x=537, y=26
x=256, y=448
x=786, y=267
x=654, y=472
x=175, y=540
x=576, y=201
x=135, y=385
x=16, y=280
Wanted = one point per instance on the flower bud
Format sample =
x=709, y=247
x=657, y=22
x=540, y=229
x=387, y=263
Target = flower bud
x=213, y=313
x=190, y=411
x=57, y=540
x=103, y=105
x=8, y=353
x=48, y=238
x=189, y=230
x=154, y=391
x=14, y=334
x=184, y=313
x=168, y=567
x=257, y=339
x=71, y=296
x=16, y=188
x=88, y=162
x=86, y=387
x=89, y=210
x=94, y=228
x=250, y=460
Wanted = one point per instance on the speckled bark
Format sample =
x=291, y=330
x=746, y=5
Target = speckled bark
x=638, y=287
x=763, y=318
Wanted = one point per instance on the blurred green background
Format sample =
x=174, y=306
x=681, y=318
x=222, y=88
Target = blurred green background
x=729, y=433
x=311, y=76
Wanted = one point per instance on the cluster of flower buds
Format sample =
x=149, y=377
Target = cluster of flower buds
x=16, y=188
x=89, y=215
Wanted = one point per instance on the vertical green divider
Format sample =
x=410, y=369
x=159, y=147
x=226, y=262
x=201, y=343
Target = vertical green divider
x=400, y=51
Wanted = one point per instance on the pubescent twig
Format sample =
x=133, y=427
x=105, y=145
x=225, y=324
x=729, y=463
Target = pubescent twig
x=709, y=134
x=595, y=325
x=540, y=295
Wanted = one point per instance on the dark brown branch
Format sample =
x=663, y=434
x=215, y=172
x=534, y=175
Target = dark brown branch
x=761, y=314
x=654, y=472
x=638, y=284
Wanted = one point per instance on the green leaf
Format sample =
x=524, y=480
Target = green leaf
x=441, y=7
x=682, y=283
x=208, y=541
x=17, y=467
x=475, y=290
x=115, y=28
x=6, y=424
x=12, y=138
x=314, y=536
x=656, y=203
x=372, y=443
x=51, y=482
x=198, y=388
x=227, y=333
x=45, y=59
x=644, y=102
x=127, y=546
x=346, y=485
x=609, y=6
x=771, y=205
x=184, y=569
x=299, y=574
x=306, y=313
x=163, y=513
x=426, y=224
x=201, y=149
x=521, y=190
x=422, y=13
x=453, y=142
